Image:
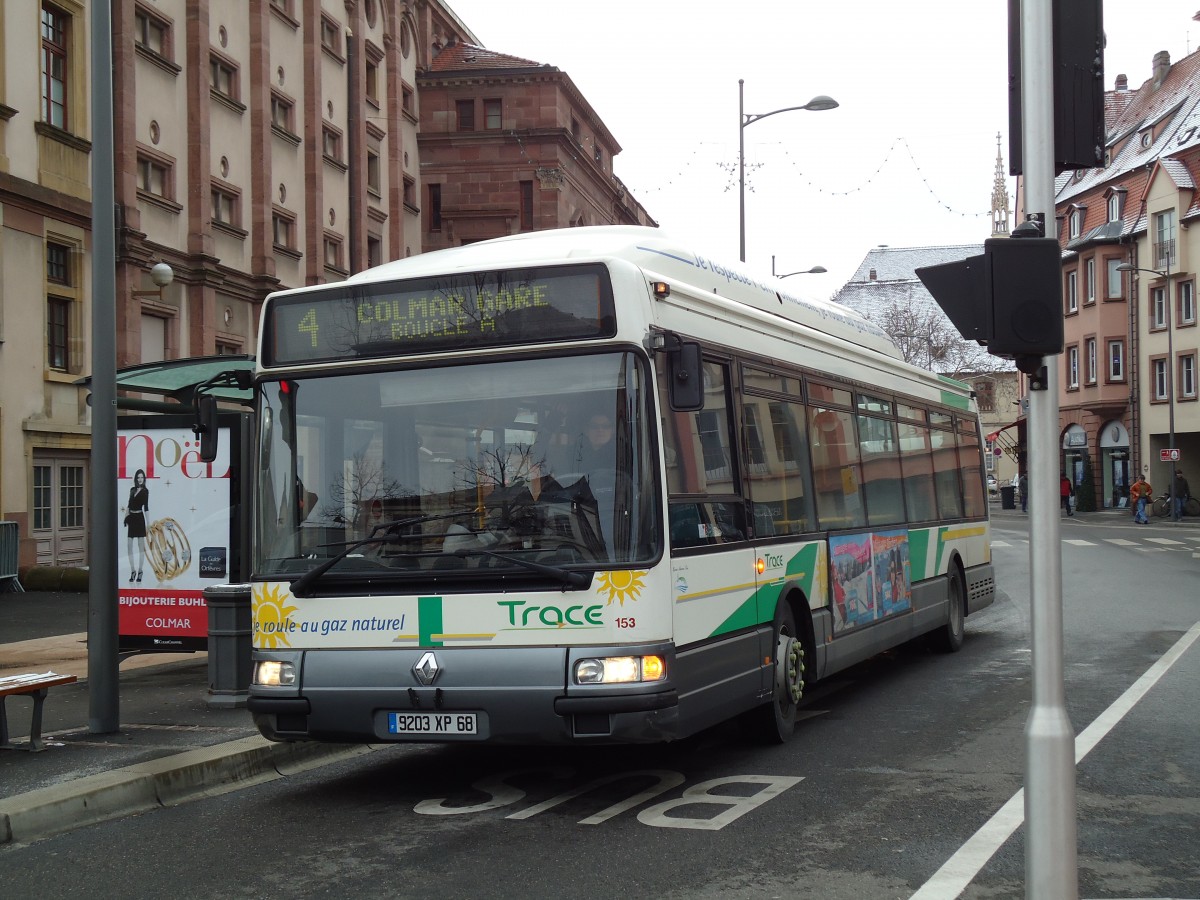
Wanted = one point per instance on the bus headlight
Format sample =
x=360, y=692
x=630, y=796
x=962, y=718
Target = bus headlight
x=274, y=673
x=620, y=670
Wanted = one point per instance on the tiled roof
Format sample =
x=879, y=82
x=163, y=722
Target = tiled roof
x=1179, y=173
x=899, y=263
x=462, y=57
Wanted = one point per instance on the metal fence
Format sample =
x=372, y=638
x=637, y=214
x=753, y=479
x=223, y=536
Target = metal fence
x=9, y=543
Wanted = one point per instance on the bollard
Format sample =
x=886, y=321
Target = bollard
x=228, y=645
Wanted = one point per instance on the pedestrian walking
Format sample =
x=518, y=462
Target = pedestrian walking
x=1023, y=491
x=1181, y=493
x=1066, y=492
x=1140, y=493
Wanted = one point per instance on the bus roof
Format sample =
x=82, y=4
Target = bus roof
x=659, y=257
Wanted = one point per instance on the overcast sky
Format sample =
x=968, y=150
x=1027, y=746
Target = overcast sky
x=908, y=159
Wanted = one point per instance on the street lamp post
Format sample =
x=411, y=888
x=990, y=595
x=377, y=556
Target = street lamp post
x=815, y=270
x=816, y=104
x=1170, y=316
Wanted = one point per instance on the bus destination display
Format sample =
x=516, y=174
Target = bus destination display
x=447, y=313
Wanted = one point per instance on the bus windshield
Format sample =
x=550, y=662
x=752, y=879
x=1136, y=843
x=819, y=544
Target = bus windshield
x=471, y=470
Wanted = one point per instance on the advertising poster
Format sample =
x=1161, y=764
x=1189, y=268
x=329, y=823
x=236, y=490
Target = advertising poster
x=173, y=521
x=893, y=577
x=850, y=575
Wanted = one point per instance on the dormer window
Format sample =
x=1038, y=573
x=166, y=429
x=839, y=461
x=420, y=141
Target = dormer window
x=1076, y=222
x=1116, y=203
x=1147, y=139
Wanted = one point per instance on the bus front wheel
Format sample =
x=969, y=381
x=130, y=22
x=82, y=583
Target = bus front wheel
x=949, y=638
x=777, y=719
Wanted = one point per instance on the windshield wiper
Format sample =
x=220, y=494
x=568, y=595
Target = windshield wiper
x=569, y=579
x=302, y=586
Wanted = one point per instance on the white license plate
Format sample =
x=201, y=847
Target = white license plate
x=433, y=723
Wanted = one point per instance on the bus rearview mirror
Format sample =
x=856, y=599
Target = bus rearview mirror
x=686, y=390
x=206, y=426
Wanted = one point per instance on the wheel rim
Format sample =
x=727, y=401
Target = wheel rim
x=789, y=671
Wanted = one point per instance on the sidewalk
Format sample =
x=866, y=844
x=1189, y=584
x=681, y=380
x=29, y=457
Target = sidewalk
x=170, y=746
x=1115, y=517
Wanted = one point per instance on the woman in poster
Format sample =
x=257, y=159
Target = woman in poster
x=135, y=522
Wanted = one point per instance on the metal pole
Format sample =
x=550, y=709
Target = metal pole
x=741, y=174
x=1171, y=382
x=103, y=676
x=1050, y=834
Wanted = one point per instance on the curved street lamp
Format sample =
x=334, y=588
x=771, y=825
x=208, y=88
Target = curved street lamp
x=815, y=270
x=1129, y=267
x=816, y=104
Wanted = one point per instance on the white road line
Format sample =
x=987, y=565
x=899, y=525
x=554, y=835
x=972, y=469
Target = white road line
x=1120, y=542
x=1077, y=542
x=1001, y=544
x=1165, y=541
x=958, y=871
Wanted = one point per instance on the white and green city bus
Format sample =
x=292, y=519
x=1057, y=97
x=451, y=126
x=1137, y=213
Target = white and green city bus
x=590, y=486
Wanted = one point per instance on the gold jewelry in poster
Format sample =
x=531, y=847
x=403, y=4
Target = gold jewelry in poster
x=168, y=549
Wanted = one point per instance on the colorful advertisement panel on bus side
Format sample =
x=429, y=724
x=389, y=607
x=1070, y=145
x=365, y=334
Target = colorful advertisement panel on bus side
x=871, y=577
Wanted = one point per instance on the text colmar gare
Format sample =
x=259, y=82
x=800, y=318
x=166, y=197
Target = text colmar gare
x=417, y=317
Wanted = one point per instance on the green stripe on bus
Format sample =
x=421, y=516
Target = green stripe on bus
x=918, y=553
x=745, y=616
x=958, y=401
x=429, y=620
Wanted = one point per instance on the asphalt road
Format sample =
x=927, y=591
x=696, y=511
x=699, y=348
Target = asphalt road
x=895, y=767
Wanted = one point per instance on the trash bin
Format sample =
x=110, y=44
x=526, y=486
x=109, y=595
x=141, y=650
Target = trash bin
x=1008, y=496
x=228, y=645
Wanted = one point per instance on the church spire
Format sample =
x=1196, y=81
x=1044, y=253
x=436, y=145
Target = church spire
x=999, y=196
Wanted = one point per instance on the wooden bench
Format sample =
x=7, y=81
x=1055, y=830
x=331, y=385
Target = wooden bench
x=35, y=686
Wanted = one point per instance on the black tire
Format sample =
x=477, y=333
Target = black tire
x=949, y=638
x=775, y=721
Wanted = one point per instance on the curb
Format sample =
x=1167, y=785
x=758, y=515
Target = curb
x=166, y=781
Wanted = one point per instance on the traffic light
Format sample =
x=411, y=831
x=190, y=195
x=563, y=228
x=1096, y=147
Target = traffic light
x=1008, y=299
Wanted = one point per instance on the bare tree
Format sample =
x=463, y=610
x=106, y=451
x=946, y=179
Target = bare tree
x=927, y=339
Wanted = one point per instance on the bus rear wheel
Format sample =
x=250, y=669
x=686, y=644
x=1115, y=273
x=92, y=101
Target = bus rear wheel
x=949, y=638
x=777, y=719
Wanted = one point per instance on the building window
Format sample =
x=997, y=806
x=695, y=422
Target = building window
x=58, y=264
x=526, y=205
x=374, y=176
x=408, y=100
x=1115, y=202
x=55, y=34
x=151, y=34
x=1089, y=281
x=1076, y=223
x=985, y=395
x=1116, y=287
x=1072, y=292
x=372, y=81
x=1089, y=373
x=283, y=113
x=1072, y=368
x=331, y=36
x=226, y=348
x=1158, y=307
x=154, y=177
x=1187, y=376
x=1116, y=360
x=1159, y=369
x=492, y=119
x=410, y=192
x=598, y=155
x=223, y=77
x=283, y=226
x=226, y=206
x=465, y=110
x=374, y=250
x=331, y=144
x=435, y=207
x=58, y=332
x=333, y=252
x=1187, y=303
x=1164, y=240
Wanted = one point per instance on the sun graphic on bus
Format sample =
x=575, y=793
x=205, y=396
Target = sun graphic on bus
x=621, y=585
x=271, y=615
